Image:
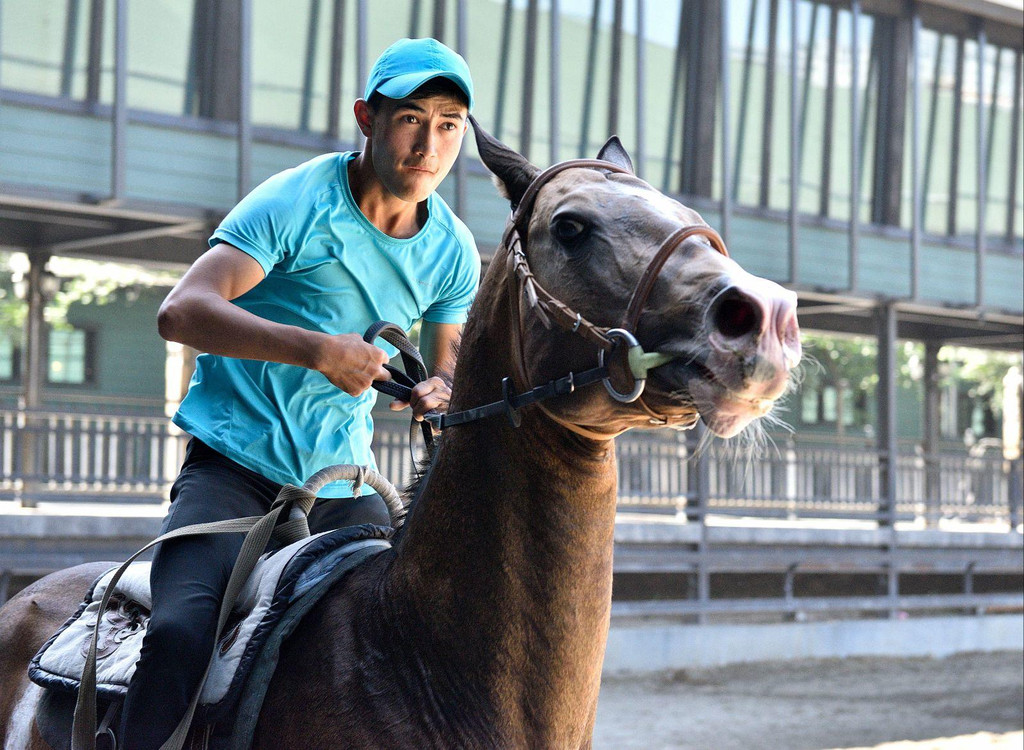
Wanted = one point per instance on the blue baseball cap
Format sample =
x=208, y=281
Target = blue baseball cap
x=409, y=63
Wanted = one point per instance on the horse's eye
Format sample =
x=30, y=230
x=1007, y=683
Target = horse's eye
x=569, y=232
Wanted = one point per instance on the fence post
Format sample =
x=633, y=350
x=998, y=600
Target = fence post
x=1015, y=491
x=698, y=477
x=27, y=456
x=887, y=449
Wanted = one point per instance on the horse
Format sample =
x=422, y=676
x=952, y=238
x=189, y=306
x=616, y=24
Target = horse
x=484, y=626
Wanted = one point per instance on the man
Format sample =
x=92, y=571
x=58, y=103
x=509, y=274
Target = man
x=294, y=275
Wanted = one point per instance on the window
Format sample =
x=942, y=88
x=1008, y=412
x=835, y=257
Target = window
x=8, y=358
x=821, y=403
x=68, y=357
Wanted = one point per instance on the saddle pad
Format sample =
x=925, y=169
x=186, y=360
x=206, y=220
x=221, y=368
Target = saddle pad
x=280, y=579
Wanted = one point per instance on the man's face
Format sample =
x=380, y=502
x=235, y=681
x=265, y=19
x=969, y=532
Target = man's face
x=414, y=143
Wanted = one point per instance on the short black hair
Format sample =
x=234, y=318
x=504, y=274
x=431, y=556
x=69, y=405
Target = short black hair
x=439, y=86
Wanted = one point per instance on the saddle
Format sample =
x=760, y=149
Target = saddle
x=285, y=584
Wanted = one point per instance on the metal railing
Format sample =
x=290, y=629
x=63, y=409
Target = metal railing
x=47, y=455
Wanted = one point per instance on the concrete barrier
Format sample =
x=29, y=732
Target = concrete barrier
x=642, y=647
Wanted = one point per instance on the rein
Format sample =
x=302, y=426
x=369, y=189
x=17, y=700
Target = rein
x=521, y=284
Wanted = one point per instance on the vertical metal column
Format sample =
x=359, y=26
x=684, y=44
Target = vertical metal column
x=529, y=77
x=825, y=197
x=554, y=83
x=615, y=78
x=854, y=231
x=32, y=374
x=336, y=70
x=769, y=105
x=933, y=119
x=503, y=60
x=67, y=68
x=309, y=68
x=244, y=97
x=954, y=162
x=673, y=105
x=440, y=11
x=698, y=487
x=698, y=491
x=993, y=111
x=805, y=95
x=741, y=125
x=932, y=417
x=916, y=202
x=95, y=61
x=982, y=180
x=641, y=86
x=461, y=27
x=361, y=43
x=1011, y=192
x=887, y=448
x=414, y=18
x=34, y=326
x=588, y=86
x=119, y=112
x=726, y=89
x=794, y=147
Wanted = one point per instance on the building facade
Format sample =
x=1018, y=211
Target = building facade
x=867, y=154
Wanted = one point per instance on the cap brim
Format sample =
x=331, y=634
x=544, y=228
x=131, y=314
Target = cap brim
x=401, y=86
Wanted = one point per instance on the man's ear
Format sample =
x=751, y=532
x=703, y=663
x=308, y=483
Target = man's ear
x=364, y=117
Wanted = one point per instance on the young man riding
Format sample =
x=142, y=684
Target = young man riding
x=294, y=275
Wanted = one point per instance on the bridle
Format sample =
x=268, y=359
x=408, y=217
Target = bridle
x=552, y=311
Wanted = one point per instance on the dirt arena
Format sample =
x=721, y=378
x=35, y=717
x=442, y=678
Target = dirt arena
x=964, y=702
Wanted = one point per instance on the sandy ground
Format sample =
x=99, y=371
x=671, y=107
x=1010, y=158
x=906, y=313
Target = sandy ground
x=964, y=702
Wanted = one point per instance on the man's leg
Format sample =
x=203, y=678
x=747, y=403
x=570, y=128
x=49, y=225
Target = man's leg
x=334, y=512
x=188, y=580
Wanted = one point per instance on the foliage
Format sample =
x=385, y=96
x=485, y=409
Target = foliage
x=82, y=282
x=853, y=359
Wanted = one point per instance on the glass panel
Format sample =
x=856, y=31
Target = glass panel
x=809, y=400
x=938, y=86
x=32, y=49
x=6, y=357
x=829, y=403
x=967, y=182
x=279, y=56
x=999, y=97
x=159, y=34
x=67, y=356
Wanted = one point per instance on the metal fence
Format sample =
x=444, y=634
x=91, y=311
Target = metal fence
x=46, y=455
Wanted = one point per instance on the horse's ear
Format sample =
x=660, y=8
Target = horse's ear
x=512, y=172
x=615, y=152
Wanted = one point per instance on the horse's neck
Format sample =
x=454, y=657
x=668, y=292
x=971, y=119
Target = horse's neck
x=508, y=550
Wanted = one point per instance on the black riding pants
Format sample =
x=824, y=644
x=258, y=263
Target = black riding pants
x=189, y=577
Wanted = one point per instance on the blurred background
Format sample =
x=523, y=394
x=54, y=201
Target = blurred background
x=865, y=153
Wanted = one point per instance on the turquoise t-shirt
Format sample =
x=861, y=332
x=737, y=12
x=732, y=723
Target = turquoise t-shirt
x=327, y=269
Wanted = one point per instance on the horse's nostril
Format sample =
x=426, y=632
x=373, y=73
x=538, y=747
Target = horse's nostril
x=735, y=315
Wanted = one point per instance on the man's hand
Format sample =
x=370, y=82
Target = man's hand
x=432, y=394
x=350, y=363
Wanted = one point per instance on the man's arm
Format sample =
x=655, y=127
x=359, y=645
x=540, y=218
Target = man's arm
x=198, y=312
x=438, y=343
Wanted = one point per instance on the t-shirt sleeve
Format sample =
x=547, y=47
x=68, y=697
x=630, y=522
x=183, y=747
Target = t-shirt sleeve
x=452, y=305
x=263, y=223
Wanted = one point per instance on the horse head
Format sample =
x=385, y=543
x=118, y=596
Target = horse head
x=599, y=252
